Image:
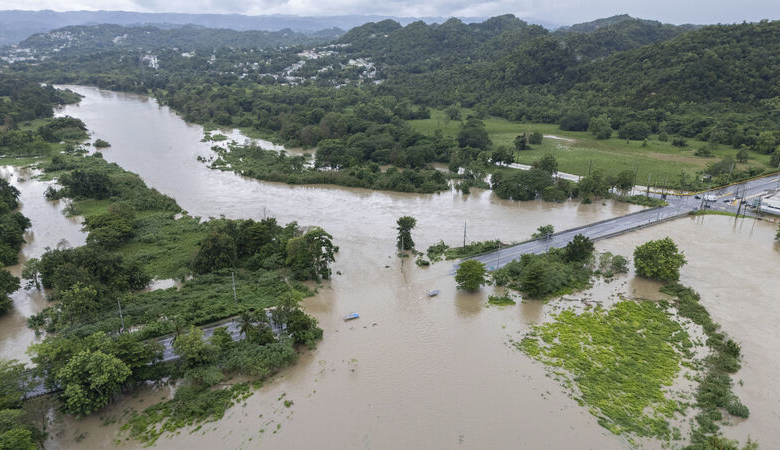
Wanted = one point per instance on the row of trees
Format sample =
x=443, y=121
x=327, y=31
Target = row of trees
x=251, y=161
x=541, y=182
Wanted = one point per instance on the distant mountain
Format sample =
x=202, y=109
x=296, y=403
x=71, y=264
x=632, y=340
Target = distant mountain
x=588, y=27
x=96, y=38
x=617, y=33
x=419, y=47
x=16, y=25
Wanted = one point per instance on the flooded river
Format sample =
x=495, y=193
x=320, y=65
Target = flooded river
x=413, y=371
x=50, y=228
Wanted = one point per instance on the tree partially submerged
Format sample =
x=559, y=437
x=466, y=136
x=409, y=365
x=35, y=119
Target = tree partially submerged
x=659, y=260
x=89, y=380
x=471, y=275
x=405, y=226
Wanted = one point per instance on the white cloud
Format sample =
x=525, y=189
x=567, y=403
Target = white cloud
x=561, y=11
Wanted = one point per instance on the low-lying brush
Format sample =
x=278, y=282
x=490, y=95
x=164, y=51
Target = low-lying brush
x=619, y=362
x=714, y=393
x=440, y=251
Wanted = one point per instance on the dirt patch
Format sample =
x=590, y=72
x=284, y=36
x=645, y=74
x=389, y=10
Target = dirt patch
x=559, y=138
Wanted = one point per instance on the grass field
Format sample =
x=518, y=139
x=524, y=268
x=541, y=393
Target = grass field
x=577, y=152
x=163, y=245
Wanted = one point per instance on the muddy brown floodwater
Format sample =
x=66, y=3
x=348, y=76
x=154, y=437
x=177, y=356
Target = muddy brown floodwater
x=50, y=228
x=735, y=265
x=413, y=371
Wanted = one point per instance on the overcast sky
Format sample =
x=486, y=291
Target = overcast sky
x=558, y=11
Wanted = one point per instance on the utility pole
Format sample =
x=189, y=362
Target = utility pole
x=464, y=233
x=648, y=184
x=742, y=200
x=498, y=263
x=739, y=206
x=731, y=170
x=233, y=276
x=778, y=179
x=636, y=174
x=590, y=167
x=121, y=317
x=702, y=197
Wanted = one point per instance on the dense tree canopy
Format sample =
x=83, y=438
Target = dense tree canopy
x=659, y=260
x=89, y=380
x=471, y=275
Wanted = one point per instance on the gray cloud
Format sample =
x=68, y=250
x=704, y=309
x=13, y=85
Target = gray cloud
x=559, y=11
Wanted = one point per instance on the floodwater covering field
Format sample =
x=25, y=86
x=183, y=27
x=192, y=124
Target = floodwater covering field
x=413, y=371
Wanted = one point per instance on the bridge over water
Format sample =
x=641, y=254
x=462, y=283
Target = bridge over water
x=727, y=199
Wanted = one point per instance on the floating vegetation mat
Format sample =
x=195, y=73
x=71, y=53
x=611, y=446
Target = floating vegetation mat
x=620, y=363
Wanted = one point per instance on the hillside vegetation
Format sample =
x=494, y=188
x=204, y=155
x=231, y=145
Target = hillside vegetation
x=662, y=97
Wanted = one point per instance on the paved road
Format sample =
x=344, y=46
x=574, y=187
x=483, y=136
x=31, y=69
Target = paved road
x=729, y=197
x=233, y=328
x=679, y=205
x=595, y=231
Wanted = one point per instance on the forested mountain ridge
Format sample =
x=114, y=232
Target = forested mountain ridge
x=731, y=63
x=456, y=42
x=97, y=38
x=617, y=33
x=16, y=25
x=720, y=73
x=715, y=82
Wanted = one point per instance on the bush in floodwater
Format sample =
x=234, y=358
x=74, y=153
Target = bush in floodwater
x=502, y=300
x=422, y=262
x=610, y=264
x=545, y=275
x=659, y=260
x=436, y=251
x=619, y=264
x=100, y=143
x=714, y=392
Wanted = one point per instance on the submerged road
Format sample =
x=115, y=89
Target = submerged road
x=727, y=199
x=37, y=388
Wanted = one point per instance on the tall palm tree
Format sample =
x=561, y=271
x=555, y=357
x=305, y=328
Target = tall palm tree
x=246, y=323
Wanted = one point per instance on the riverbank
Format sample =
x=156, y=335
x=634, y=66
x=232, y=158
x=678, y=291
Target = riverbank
x=135, y=233
x=439, y=354
x=50, y=229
